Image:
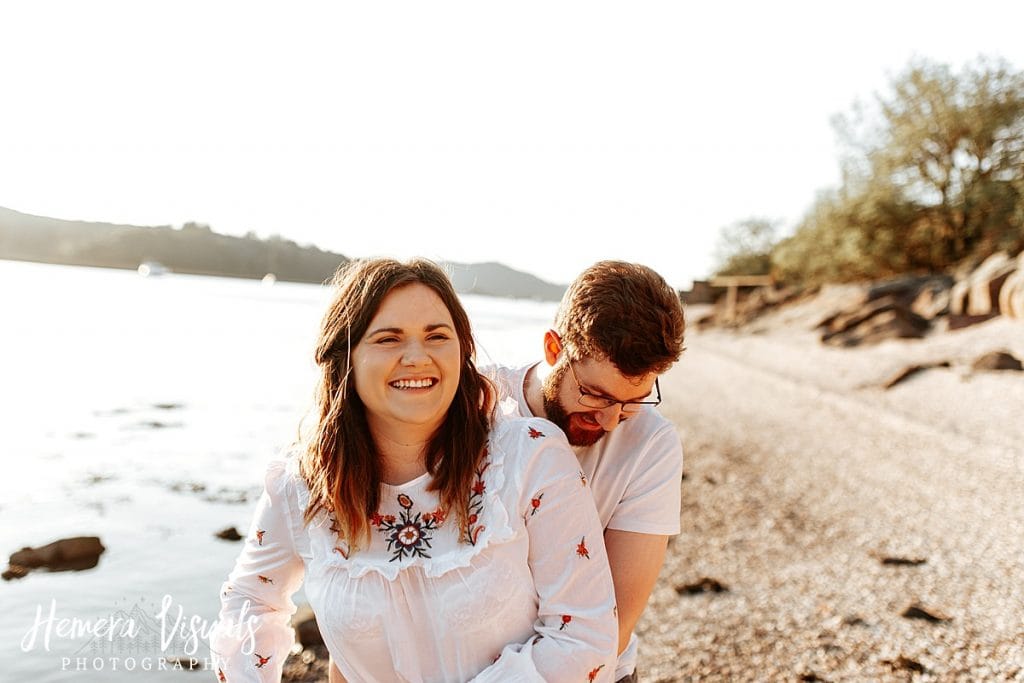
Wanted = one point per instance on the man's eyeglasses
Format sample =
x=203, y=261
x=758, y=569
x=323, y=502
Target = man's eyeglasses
x=589, y=399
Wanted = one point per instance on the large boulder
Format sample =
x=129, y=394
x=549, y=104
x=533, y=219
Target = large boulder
x=1011, y=295
x=875, y=321
x=977, y=295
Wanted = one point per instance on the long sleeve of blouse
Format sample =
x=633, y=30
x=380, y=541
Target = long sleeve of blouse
x=253, y=636
x=576, y=631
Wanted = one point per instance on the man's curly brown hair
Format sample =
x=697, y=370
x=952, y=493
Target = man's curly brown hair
x=625, y=313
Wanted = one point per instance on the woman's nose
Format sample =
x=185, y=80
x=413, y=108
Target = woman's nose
x=414, y=354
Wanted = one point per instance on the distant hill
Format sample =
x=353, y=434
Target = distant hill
x=494, y=279
x=195, y=248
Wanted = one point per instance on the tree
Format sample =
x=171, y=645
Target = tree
x=947, y=160
x=744, y=247
x=933, y=174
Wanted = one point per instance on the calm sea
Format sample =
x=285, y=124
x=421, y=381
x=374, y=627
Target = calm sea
x=142, y=411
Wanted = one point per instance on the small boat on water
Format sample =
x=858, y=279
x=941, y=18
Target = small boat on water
x=152, y=269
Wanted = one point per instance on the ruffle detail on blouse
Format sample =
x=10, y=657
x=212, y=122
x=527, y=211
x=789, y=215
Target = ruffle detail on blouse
x=329, y=551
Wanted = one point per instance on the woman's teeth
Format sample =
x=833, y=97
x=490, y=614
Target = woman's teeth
x=413, y=383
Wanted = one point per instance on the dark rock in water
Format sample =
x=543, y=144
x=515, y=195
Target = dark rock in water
x=902, y=663
x=854, y=620
x=997, y=360
x=156, y=424
x=907, y=373
x=705, y=585
x=916, y=611
x=903, y=561
x=306, y=630
x=812, y=677
x=14, y=571
x=168, y=406
x=186, y=486
x=229, y=534
x=67, y=554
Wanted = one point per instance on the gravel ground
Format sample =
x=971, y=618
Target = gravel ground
x=833, y=530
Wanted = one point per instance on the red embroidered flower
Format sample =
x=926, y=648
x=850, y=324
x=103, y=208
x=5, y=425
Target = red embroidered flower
x=479, y=487
x=221, y=677
x=409, y=534
x=592, y=676
x=404, y=500
x=440, y=515
x=427, y=516
x=259, y=535
x=535, y=434
x=565, y=622
x=376, y=518
x=476, y=533
x=472, y=519
x=581, y=549
x=535, y=504
x=261, y=660
x=265, y=579
x=390, y=519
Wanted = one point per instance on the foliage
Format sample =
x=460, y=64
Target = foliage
x=934, y=176
x=744, y=248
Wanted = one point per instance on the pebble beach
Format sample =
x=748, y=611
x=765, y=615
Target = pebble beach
x=836, y=530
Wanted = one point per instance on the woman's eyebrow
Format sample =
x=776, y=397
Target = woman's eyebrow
x=399, y=330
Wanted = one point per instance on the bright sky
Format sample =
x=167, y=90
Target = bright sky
x=546, y=135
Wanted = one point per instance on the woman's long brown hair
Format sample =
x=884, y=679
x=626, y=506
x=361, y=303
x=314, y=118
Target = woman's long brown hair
x=340, y=463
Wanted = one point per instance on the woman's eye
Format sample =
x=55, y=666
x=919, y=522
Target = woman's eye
x=438, y=337
x=386, y=340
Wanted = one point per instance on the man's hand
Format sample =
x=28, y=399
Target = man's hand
x=636, y=561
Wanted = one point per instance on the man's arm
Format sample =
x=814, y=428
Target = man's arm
x=635, y=560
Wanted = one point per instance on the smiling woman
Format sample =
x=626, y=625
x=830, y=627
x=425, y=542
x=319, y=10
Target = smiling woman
x=437, y=541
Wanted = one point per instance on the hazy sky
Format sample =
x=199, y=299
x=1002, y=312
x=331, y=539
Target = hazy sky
x=545, y=135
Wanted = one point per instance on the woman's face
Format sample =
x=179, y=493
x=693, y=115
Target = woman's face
x=406, y=366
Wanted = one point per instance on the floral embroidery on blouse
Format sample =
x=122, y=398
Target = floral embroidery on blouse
x=265, y=579
x=261, y=660
x=535, y=433
x=259, y=535
x=592, y=676
x=534, y=505
x=221, y=677
x=583, y=478
x=565, y=622
x=476, y=505
x=410, y=535
x=581, y=548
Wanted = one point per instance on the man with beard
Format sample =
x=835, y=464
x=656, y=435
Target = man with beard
x=618, y=327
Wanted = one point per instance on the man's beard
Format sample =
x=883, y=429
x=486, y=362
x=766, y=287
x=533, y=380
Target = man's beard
x=553, y=410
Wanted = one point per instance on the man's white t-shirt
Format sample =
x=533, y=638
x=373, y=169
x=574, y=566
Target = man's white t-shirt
x=634, y=472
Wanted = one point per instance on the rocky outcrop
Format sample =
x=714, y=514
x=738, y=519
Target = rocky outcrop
x=888, y=317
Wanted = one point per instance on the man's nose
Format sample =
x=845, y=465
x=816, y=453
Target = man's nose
x=609, y=417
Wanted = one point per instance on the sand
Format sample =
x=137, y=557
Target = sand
x=860, y=533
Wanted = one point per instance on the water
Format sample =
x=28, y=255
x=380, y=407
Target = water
x=142, y=410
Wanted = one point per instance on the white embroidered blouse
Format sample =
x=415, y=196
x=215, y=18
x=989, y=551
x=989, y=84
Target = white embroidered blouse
x=525, y=595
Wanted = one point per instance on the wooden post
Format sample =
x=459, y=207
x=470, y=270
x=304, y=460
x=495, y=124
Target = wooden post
x=732, y=283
